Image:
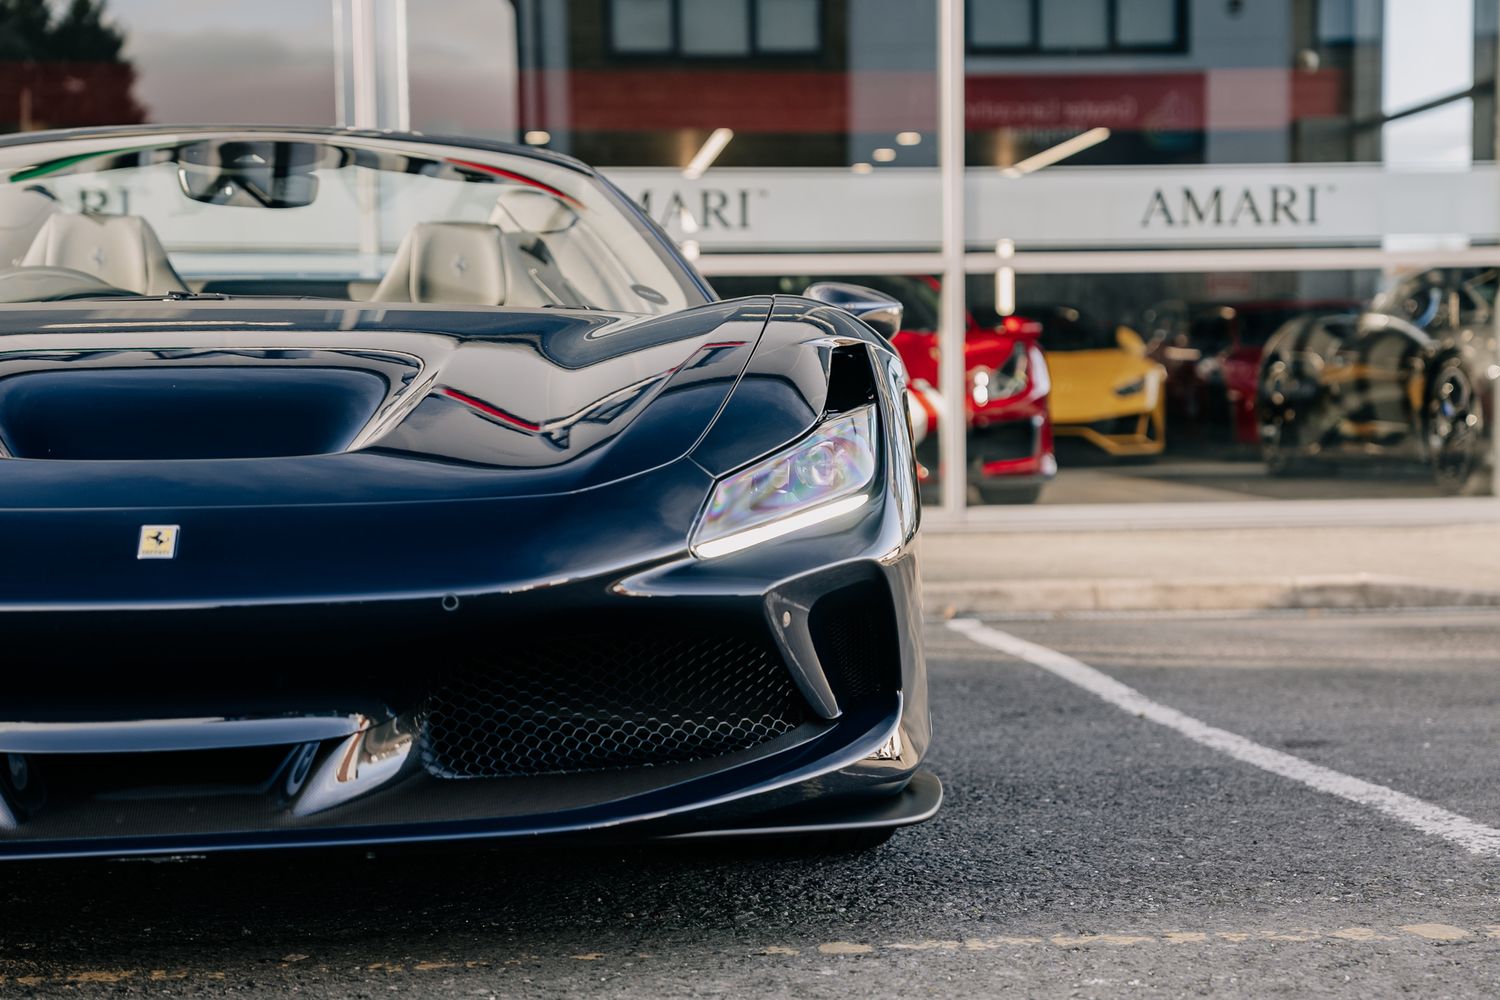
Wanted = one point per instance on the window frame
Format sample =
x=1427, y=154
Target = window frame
x=674, y=50
x=1112, y=46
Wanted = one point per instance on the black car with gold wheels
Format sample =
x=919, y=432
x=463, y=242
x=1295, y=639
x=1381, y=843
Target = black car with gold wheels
x=1408, y=380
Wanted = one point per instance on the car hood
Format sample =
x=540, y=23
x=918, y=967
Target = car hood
x=1084, y=383
x=208, y=403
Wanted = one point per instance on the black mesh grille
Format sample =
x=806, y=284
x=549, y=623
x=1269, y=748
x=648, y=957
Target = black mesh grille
x=592, y=702
x=855, y=637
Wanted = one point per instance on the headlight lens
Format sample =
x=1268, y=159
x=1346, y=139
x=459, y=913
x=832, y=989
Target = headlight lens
x=820, y=477
x=1008, y=380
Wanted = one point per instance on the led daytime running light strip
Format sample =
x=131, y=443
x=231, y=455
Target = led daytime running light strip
x=716, y=547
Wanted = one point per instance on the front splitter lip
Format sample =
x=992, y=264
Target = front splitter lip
x=831, y=777
x=916, y=803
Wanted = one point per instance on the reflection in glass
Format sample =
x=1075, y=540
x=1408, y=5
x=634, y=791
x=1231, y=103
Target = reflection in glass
x=1258, y=386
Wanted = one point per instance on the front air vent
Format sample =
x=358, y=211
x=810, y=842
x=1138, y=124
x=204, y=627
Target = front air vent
x=854, y=634
x=851, y=379
x=187, y=412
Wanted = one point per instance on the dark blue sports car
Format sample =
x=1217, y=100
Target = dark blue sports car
x=362, y=488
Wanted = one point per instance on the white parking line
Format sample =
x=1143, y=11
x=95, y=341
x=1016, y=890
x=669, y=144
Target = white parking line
x=1471, y=836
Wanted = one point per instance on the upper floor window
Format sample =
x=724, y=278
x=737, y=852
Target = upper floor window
x=1350, y=22
x=1011, y=26
x=715, y=29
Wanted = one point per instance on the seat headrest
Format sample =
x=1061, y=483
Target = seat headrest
x=120, y=249
x=453, y=262
x=23, y=212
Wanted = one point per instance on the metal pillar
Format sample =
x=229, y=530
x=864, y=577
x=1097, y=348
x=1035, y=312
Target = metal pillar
x=371, y=82
x=1493, y=426
x=954, y=424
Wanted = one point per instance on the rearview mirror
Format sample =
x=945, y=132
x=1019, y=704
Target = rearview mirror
x=880, y=312
x=250, y=173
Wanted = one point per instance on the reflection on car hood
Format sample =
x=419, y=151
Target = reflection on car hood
x=333, y=402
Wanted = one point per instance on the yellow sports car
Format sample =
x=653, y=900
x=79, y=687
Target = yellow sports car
x=1104, y=388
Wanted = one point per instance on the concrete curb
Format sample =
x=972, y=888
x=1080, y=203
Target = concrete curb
x=1351, y=591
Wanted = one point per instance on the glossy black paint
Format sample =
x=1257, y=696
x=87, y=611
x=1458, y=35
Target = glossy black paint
x=425, y=483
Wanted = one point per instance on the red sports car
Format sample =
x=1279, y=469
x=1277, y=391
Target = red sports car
x=1006, y=385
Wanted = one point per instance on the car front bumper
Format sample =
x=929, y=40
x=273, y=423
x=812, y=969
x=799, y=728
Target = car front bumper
x=176, y=728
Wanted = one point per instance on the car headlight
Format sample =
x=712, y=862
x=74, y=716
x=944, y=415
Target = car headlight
x=1131, y=388
x=1010, y=379
x=823, y=476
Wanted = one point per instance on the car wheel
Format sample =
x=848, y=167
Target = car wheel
x=1453, y=426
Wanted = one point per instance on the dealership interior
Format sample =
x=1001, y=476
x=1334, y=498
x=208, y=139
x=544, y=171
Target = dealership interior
x=1150, y=251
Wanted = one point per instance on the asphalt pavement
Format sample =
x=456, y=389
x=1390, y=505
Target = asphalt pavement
x=1093, y=844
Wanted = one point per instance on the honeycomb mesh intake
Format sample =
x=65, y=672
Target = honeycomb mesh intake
x=593, y=702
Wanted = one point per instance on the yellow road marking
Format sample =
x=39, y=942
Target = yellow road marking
x=1064, y=941
x=1184, y=937
x=926, y=945
x=100, y=976
x=1361, y=934
x=844, y=948
x=1436, y=932
x=989, y=944
x=777, y=949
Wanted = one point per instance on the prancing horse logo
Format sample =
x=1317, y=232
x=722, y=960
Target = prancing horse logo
x=157, y=541
x=460, y=265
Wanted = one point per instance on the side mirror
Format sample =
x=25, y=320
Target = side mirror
x=879, y=311
x=1130, y=342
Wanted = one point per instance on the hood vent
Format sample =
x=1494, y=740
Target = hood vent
x=166, y=413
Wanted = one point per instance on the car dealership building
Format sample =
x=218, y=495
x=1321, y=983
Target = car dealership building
x=1197, y=173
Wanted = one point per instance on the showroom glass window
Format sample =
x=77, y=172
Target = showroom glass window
x=1077, y=25
x=1211, y=181
x=715, y=29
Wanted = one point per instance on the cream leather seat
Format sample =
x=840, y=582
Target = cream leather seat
x=122, y=250
x=455, y=262
x=23, y=213
x=475, y=263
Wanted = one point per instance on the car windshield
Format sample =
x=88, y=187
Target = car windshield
x=360, y=219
